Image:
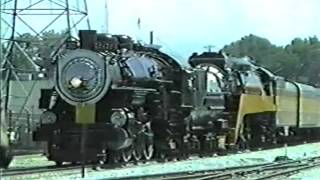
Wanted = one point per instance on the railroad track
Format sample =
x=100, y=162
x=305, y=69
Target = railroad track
x=24, y=152
x=262, y=171
x=256, y=172
x=37, y=170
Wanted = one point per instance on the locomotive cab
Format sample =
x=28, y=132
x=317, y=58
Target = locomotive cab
x=207, y=95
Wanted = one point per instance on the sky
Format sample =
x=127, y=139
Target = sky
x=185, y=26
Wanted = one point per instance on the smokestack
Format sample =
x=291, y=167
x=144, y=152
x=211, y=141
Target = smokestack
x=88, y=39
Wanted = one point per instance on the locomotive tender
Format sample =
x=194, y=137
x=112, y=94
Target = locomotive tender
x=137, y=103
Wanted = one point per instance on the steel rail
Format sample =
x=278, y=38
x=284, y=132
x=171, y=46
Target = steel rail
x=37, y=170
x=276, y=168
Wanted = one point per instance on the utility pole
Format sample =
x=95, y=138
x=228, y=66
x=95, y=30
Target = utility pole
x=106, y=16
x=1, y=59
x=0, y=45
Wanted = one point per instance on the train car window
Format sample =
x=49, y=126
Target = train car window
x=267, y=80
x=280, y=83
x=252, y=83
x=212, y=83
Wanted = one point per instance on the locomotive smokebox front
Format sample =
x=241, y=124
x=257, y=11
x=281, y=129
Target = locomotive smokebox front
x=82, y=77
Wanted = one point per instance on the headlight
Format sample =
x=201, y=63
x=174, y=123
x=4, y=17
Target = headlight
x=119, y=118
x=76, y=82
x=48, y=117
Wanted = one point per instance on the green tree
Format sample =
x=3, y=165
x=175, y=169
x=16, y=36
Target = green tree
x=38, y=48
x=297, y=61
x=308, y=52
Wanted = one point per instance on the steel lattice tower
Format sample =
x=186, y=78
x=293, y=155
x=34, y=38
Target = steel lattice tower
x=35, y=17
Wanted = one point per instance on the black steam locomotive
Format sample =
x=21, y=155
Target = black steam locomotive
x=133, y=102
x=121, y=91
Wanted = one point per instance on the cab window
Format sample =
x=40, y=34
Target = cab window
x=212, y=83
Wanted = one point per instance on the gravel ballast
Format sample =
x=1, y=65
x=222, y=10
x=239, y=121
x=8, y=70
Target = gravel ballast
x=193, y=164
